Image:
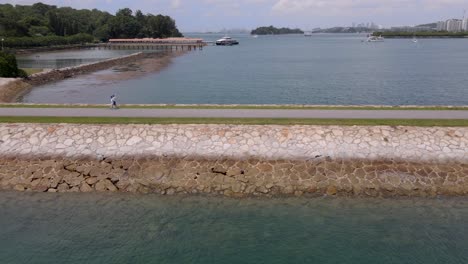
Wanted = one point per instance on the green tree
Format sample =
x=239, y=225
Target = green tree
x=41, y=24
x=9, y=67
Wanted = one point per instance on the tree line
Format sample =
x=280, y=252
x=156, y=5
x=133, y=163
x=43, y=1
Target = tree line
x=271, y=30
x=43, y=25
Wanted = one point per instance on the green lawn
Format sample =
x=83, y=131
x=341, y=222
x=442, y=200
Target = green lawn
x=237, y=121
x=31, y=71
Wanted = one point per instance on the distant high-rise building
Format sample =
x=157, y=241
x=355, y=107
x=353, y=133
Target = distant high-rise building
x=465, y=24
x=454, y=25
x=442, y=26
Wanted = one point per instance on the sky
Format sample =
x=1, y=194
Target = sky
x=215, y=15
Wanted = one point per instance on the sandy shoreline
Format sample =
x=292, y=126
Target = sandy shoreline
x=151, y=63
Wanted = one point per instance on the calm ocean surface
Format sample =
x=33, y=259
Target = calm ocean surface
x=323, y=69
x=123, y=228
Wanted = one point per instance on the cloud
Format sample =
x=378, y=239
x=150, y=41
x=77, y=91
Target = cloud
x=176, y=4
x=299, y=6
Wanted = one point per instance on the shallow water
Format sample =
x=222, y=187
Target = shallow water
x=66, y=58
x=123, y=228
x=323, y=69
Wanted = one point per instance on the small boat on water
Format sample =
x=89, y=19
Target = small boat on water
x=307, y=34
x=255, y=36
x=415, y=40
x=226, y=41
x=375, y=39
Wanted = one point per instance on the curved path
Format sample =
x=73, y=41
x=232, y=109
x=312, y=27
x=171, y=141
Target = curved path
x=237, y=113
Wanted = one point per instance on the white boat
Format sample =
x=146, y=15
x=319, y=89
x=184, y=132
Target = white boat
x=415, y=40
x=226, y=41
x=375, y=39
x=255, y=36
x=307, y=34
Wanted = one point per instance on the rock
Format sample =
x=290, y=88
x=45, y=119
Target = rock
x=153, y=172
x=298, y=193
x=105, y=185
x=97, y=172
x=71, y=167
x=219, y=169
x=91, y=180
x=63, y=187
x=233, y=172
x=85, y=170
x=133, y=140
x=265, y=167
x=85, y=187
x=170, y=191
x=122, y=184
x=101, y=186
x=54, y=182
x=40, y=188
x=236, y=188
x=75, y=181
x=288, y=190
x=331, y=190
x=110, y=186
x=51, y=190
x=262, y=189
x=19, y=188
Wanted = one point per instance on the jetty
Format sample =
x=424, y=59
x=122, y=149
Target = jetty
x=154, y=44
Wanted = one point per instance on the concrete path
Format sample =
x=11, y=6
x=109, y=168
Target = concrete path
x=237, y=113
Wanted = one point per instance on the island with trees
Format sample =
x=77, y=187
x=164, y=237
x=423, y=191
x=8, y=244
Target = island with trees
x=23, y=26
x=271, y=30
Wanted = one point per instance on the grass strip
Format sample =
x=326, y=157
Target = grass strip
x=280, y=107
x=237, y=121
x=31, y=71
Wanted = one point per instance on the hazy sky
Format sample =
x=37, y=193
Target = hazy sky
x=211, y=15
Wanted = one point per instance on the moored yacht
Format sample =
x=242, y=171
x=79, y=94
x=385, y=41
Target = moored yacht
x=226, y=41
x=375, y=39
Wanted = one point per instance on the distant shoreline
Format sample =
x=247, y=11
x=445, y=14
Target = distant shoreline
x=429, y=37
x=23, y=51
x=396, y=34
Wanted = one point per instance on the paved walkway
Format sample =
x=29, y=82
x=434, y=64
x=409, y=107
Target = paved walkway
x=237, y=113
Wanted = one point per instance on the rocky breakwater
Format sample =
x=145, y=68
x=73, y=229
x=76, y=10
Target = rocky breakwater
x=235, y=160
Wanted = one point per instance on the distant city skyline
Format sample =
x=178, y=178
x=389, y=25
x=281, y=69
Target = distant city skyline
x=215, y=15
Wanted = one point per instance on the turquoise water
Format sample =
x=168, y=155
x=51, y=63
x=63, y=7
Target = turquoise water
x=323, y=69
x=98, y=228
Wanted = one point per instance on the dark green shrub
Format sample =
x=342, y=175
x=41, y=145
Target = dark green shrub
x=9, y=67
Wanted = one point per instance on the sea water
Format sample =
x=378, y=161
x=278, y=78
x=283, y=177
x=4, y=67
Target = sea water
x=326, y=69
x=125, y=228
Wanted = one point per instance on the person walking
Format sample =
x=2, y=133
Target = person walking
x=113, y=102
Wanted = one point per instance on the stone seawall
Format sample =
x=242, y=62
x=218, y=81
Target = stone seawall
x=68, y=72
x=235, y=160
